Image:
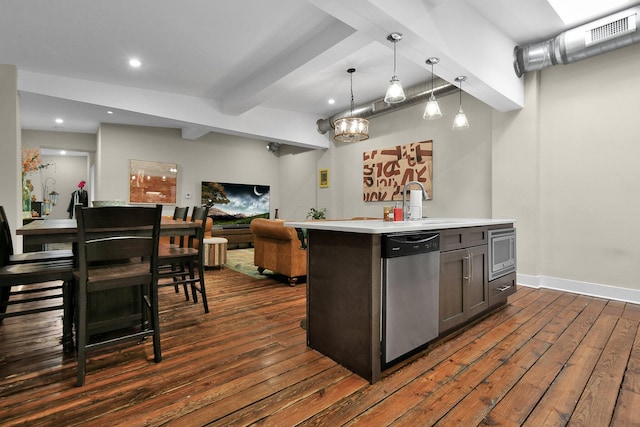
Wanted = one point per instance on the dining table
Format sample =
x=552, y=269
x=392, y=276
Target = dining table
x=49, y=231
x=66, y=230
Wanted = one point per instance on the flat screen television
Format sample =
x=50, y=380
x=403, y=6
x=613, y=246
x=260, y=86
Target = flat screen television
x=235, y=205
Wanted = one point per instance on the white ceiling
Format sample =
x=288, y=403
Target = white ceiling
x=245, y=67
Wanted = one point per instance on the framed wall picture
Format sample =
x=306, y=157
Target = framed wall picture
x=152, y=182
x=324, y=178
x=387, y=170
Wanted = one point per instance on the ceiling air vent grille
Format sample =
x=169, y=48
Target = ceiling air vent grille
x=611, y=30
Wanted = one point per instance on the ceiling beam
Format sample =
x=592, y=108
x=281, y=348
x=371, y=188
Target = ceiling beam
x=466, y=43
x=261, y=123
x=263, y=84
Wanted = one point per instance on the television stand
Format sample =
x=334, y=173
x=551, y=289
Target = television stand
x=236, y=236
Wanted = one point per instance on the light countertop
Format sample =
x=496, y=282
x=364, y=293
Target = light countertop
x=382, y=227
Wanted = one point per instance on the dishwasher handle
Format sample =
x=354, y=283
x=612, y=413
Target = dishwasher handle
x=408, y=239
x=404, y=244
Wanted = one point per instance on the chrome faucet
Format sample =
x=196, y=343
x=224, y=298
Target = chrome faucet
x=425, y=196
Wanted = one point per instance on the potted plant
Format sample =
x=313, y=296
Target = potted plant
x=317, y=213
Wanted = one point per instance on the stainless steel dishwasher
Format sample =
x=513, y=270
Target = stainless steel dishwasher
x=410, y=270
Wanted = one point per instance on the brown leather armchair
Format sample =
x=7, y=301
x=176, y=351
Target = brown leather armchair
x=278, y=248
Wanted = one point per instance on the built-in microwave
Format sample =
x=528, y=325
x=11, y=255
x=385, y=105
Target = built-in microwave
x=502, y=252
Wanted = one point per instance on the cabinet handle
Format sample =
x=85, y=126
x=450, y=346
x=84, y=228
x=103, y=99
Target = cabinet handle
x=469, y=275
x=503, y=288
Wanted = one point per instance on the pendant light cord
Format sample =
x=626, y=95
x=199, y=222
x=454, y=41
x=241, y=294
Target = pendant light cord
x=352, y=102
x=431, y=78
x=394, y=57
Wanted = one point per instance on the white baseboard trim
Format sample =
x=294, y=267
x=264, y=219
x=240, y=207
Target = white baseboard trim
x=584, y=288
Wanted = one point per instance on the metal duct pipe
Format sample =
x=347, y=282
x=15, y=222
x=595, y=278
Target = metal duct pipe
x=415, y=94
x=600, y=36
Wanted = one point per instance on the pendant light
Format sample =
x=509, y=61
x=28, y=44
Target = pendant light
x=460, y=120
x=395, y=93
x=432, y=110
x=351, y=129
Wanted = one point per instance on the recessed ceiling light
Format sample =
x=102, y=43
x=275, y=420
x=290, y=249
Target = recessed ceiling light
x=59, y=121
x=62, y=152
x=331, y=101
x=135, y=62
x=109, y=112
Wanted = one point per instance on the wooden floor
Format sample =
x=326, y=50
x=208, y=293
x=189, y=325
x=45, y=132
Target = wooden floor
x=548, y=358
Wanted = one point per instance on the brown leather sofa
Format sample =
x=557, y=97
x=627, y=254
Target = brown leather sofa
x=278, y=248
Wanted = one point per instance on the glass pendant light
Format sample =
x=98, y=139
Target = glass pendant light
x=395, y=93
x=432, y=110
x=351, y=129
x=460, y=120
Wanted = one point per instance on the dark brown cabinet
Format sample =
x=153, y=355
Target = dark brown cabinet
x=463, y=276
x=345, y=298
x=501, y=288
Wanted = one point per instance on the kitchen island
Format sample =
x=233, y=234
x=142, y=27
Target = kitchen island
x=345, y=297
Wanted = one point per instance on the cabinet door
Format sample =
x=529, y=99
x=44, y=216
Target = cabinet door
x=477, y=295
x=453, y=270
x=463, y=286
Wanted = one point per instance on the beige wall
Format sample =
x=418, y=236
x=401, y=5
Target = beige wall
x=10, y=145
x=566, y=172
x=461, y=161
x=214, y=157
x=590, y=170
x=567, y=166
x=67, y=171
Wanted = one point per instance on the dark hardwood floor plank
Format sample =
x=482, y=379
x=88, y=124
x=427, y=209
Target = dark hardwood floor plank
x=476, y=403
x=246, y=363
x=595, y=407
x=559, y=401
x=442, y=352
x=494, y=360
x=442, y=384
x=626, y=411
x=294, y=402
x=522, y=398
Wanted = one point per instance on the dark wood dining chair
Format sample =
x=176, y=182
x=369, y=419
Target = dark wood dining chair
x=36, y=287
x=180, y=213
x=38, y=256
x=116, y=283
x=190, y=258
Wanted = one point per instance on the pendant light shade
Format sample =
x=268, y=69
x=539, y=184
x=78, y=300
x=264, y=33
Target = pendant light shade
x=460, y=120
x=351, y=129
x=395, y=93
x=432, y=110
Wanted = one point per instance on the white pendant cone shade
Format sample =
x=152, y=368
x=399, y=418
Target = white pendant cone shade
x=432, y=110
x=395, y=93
x=460, y=120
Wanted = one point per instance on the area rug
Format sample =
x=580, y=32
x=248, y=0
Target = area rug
x=241, y=260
